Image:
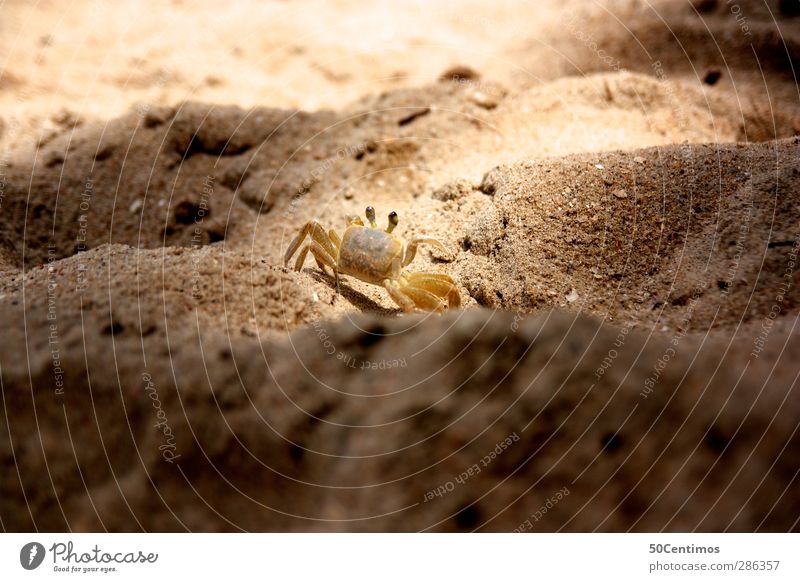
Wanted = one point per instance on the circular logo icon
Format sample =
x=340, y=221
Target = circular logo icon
x=31, y=555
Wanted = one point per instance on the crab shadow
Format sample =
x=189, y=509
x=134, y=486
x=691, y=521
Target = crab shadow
x=356, y=298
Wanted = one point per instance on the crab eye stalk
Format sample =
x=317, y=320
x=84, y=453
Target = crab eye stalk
x=371, y=216
x=392, y=221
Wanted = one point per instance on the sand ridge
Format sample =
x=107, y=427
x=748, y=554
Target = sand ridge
x=625, y=238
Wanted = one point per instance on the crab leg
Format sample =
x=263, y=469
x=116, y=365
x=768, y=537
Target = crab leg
x=411, y=248
x=321, y=255
x=317, y=232
x=337, y=243
x=423, y=299
x=432, y=281
x=439, y=284
x=395, y=292
x=334, y=236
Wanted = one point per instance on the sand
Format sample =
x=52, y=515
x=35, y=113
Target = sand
x=616, y=186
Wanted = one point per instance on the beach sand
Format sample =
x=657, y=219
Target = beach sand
x=617, y=186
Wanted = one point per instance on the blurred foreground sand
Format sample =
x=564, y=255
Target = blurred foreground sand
x=617, y=183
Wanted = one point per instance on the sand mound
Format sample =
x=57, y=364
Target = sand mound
x=703, y=236
x=342, y=447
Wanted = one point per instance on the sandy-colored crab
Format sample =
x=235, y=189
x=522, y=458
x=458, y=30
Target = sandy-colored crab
x=378, y=257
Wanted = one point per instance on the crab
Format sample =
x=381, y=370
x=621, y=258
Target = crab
x=377, y=256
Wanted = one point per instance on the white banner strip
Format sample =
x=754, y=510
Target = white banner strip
x=400, y=557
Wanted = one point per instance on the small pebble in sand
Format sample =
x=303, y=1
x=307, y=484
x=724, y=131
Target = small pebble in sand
x=481, y=99
x=135, y=206
x=620, y=193
x=572, y=296
x=639, y=160
x=712, y=76
x=600, y=166
x=459, y=73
